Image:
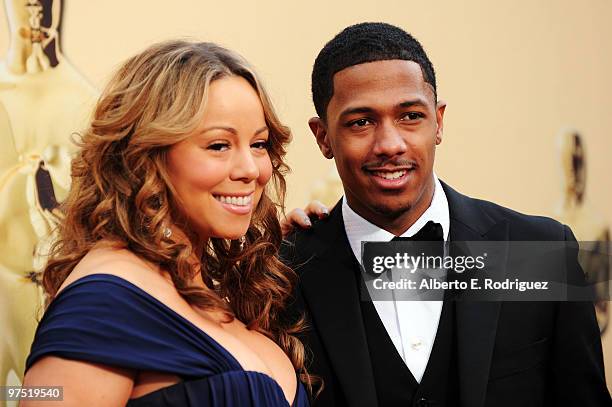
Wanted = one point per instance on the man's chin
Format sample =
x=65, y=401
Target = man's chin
x=392, y=210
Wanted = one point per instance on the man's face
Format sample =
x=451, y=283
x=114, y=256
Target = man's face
x=382, y=128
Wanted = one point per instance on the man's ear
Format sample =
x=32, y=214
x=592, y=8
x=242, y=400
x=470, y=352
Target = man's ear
x=317, y=126
x=440, y=108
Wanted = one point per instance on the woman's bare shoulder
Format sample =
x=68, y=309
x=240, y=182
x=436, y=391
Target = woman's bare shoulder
x=121, y=263
x=88, y=383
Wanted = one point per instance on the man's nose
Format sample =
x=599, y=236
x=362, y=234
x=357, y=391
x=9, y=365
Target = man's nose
x=389, y=140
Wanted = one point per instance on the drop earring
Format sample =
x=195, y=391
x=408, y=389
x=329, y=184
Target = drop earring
x=167, y=232
x=242, y=241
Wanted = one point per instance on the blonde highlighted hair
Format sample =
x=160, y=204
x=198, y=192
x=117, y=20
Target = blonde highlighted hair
x=121, y=193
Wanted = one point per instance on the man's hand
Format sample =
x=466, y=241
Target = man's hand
x=300, y=218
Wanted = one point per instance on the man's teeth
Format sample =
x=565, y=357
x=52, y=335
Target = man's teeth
x=235, y=200
x=390, y=175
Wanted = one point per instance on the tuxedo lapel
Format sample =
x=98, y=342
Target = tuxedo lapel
x=476, y=321
x=330, y=287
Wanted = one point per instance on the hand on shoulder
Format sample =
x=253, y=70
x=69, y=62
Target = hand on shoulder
x=301, y=218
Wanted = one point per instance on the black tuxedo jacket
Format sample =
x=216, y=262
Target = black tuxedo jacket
x=516, y=354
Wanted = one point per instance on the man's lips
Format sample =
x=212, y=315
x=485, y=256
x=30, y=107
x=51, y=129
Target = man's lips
x=389, y=174
x=390, y=178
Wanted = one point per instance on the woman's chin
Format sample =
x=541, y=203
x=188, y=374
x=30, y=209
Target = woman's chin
x=235, y=237
x=231, y=235
x=222, y=231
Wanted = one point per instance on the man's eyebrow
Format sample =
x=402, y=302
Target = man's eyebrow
x=355, y=110
x=231, y=129
x=365, y=109
x=414, y=102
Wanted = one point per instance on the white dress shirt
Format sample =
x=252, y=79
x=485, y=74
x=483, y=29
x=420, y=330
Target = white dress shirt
x=411, y=325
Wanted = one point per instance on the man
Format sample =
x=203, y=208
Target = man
x=374, y=91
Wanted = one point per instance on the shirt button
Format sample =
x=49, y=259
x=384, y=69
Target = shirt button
x=416, y=344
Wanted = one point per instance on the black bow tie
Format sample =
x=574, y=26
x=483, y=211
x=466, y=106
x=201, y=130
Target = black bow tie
x=431, y=232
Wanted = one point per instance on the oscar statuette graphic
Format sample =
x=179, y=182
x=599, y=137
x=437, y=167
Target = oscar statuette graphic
x=44, y=101
x=585, y=221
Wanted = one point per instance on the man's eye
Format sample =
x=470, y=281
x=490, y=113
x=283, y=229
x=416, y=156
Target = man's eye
x=359, y=123
x=413, y=116
x=261, y=145
x=218, y=146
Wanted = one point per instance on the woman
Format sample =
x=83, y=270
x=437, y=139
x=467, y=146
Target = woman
x=164, y=285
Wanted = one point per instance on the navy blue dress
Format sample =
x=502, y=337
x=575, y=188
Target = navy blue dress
x=102, y=318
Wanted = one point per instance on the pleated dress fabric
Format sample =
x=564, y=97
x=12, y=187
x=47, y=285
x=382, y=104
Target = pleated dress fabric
x=102, y=318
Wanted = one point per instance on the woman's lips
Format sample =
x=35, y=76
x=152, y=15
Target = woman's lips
x=238, y=205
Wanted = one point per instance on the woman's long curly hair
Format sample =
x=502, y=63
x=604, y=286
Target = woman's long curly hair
x=121, y=192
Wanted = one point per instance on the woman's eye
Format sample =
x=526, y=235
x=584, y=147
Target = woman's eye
x=261, y=145
x=413, y=116
x=218, y=146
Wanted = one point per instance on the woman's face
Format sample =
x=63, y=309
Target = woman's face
x=220, y=171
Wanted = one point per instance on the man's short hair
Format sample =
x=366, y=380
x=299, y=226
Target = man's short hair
x=361, y=43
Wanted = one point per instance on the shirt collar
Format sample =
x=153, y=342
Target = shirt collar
x=358, y=229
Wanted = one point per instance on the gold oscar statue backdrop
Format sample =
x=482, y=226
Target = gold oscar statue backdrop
x=587, y=223
x=512, y=74
x=43, y=101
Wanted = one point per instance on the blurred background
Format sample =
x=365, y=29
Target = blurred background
x=526, y=83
